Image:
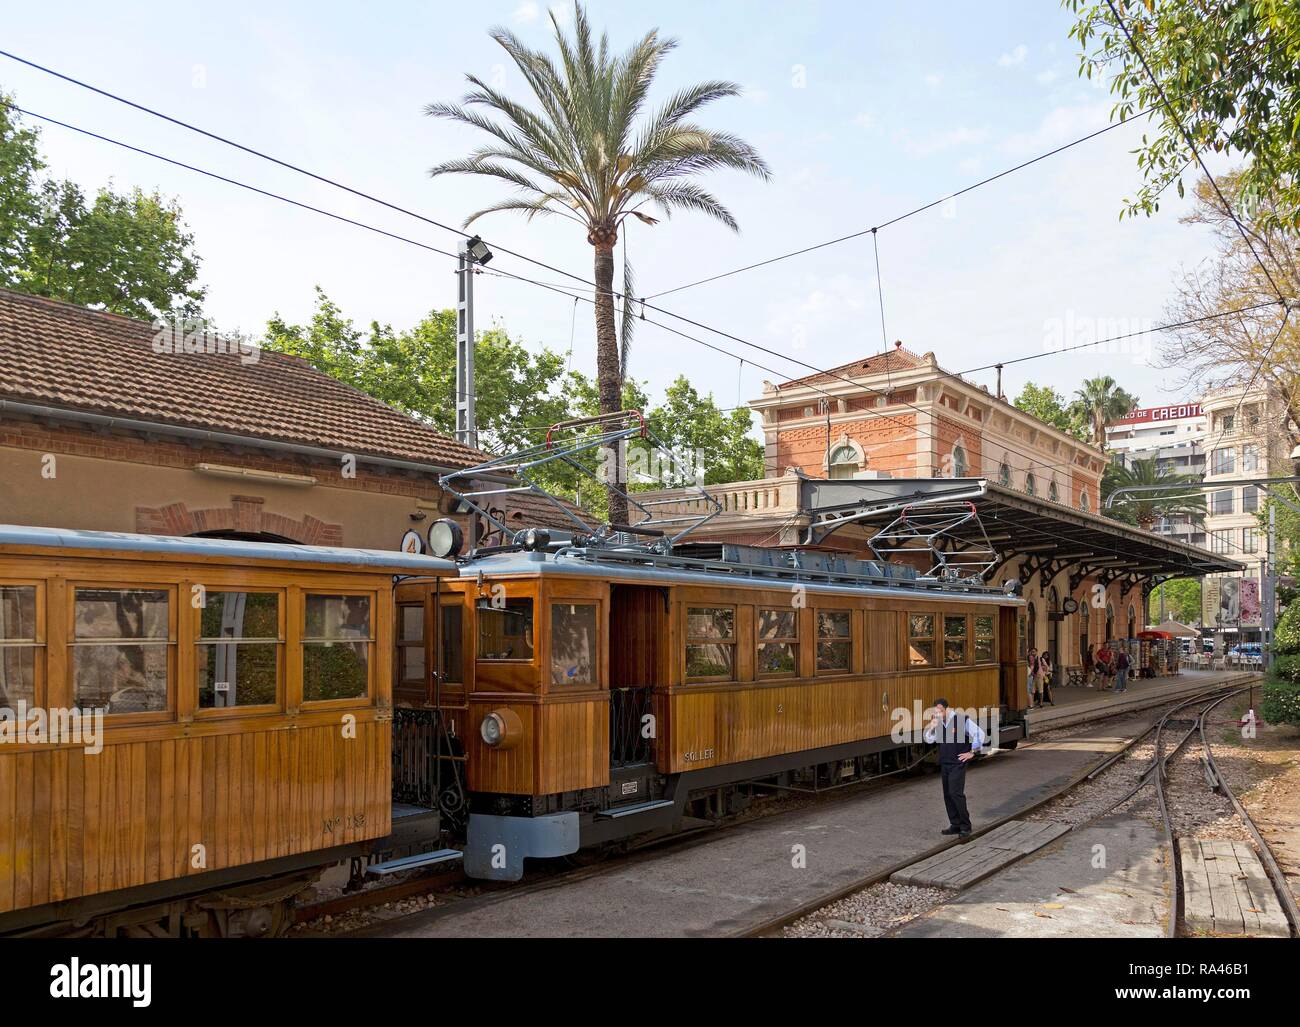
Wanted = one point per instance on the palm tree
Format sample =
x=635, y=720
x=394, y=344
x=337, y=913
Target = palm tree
x=1101, y=401
x=1180, y=499
x=586, y=153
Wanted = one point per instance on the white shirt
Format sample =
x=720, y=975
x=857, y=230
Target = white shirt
x=974, y=734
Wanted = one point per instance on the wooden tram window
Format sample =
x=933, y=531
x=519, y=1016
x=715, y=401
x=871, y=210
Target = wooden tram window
x=920, y=639
x=505, y=632
x=237, y=654
x=453, y=644
x=834, y=641
x=573, y=643
x=778, y=642
x=711, y=643
x=954, y=640
x=1022, y=635
x=121, y=649
x=985, y=647
x=19, y=644
x=411, y=669
x=336, y=647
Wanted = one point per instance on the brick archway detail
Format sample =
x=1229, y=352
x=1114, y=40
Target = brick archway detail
x=244, y=514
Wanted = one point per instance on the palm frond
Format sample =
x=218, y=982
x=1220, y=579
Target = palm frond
x=688, y=196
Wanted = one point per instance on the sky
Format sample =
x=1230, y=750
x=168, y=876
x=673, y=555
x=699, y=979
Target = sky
x=864, y=110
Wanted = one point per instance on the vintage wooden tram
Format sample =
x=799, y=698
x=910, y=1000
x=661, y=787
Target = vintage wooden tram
x=270, y=710
x=257, y=712
x=585, y=697
x=245, y=738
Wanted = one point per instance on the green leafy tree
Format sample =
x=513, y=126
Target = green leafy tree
x=1228, y=69
x=1045, y=403
x=129, y=253
x=1182, y=598
x=1178, y=499
x=719, y=442
x=1102, y=401
x=20, y=167
x=585, y=152
x=517, y=392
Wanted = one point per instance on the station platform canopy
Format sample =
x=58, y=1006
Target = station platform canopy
x=1050, y=535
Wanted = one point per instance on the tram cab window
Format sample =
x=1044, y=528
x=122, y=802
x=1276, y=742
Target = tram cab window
x=711, y=642
x=954, y=640
x=18, y=645
x=121, y=649
x=452, y=613
x=778, y=642
x=920, y=639
x=573, y=643
x=505, y=632
x=984, y=647
x=336, y=644
x=237, y=654
x=410, y=647
x=834, y=641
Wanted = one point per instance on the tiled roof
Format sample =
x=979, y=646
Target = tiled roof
x=895, y=359
x=62, y=355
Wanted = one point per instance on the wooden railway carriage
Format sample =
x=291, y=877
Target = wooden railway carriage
x=190, y=729
x=592, y=697
x=245, y=739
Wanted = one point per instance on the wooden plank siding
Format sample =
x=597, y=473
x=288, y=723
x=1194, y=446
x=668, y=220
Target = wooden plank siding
x=243, y=785
x=564, y=740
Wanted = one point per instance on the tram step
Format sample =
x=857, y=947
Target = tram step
x=421, y=859
x=638, y=807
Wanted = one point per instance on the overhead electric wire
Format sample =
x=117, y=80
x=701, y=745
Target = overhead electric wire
x=567, y=291
x=282, y=163
x=941, y=200
x=365, y=195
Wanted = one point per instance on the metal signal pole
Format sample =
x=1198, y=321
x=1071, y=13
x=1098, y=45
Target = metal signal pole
x=472, y=252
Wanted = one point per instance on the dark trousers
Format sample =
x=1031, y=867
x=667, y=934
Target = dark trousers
x=954, y=794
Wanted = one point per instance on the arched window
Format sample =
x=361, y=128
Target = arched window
x=1132, y=621
x=959, y=466
x=1031, y=486
x=844, y=462
x=1052, y=492
x=1110, y=621
x=1085, y=504
x=1032, y=627
x=1004, y=475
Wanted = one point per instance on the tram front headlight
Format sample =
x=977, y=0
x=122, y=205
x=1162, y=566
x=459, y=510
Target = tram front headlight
x=501, y=729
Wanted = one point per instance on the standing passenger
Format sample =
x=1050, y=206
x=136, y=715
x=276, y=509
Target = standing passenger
x=1031, y=676
x=1121, y=671
x=959, y=742
x=1045, y=669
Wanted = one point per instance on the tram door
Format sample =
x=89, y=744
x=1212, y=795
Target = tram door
x=638, y=647
x=1013, y=632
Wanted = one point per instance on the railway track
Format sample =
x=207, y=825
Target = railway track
x=1195, y=714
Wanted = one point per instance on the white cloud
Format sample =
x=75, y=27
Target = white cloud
x=963, y=136
x=1046, y=78
x=1016, y=56
x=754, y=94
x=526, y=13
x=934, y=80
x=865, y=120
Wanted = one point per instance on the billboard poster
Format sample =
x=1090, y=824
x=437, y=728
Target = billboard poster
x=1210, y=597
x=1229, y=602
x=1250, y=604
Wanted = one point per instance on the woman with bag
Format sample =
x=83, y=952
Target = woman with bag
x=1045, y=669
x=1032, y=677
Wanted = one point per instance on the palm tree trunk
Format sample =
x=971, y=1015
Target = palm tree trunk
x=609, y=378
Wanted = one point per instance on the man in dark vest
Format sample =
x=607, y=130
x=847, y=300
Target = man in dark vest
x=960, y=740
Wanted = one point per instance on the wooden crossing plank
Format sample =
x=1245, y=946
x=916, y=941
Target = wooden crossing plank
x=962, y=865
x=1225, y=890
